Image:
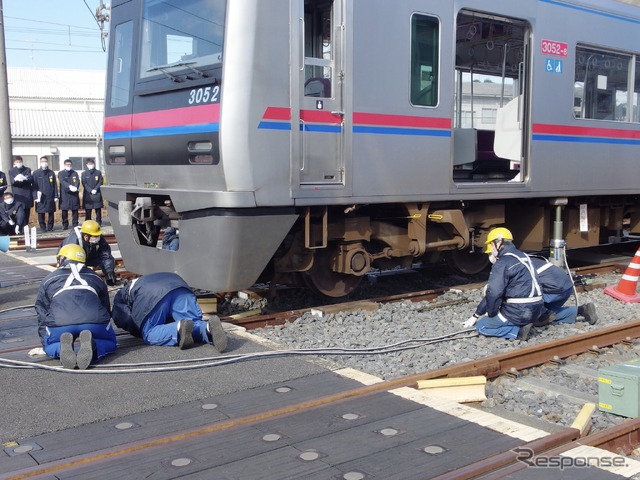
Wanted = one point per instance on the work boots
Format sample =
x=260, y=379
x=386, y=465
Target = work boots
x=216, y=333
x=588, y=311
x=523, y=333
x=87, y=350
x=185, y=331
x=545, y=319
x=67, y=355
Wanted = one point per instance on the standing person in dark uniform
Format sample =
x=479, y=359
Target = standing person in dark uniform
x=163, y=310
x=73, y=302
x=3, y=183
x=513, y=300
x=11, y=215
x=89, y=237
x=92, y=195
x=22, y=186
x=45, y=194
x=69, y=194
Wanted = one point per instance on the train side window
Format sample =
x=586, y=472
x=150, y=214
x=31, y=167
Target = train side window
x=636, y=94
x=601, y=85
x=121, y=71
x=318, y=48
x=425, y=34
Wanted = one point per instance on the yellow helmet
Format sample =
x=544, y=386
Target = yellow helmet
x=499, y=233
x=91, y=227
x=74, y=252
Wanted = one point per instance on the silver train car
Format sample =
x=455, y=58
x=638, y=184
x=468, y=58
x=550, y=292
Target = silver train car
x=315, y=140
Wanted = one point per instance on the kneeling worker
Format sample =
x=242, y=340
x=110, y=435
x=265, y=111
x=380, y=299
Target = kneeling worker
x=557, y=286
x=73, y=302
x=163, y=310
x=89, y=237
x=513, y=300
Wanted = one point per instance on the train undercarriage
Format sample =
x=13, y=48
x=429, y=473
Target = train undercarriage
x=331, y=248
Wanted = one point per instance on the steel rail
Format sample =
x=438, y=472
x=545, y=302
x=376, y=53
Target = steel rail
x=53, y=242
x=620, y=439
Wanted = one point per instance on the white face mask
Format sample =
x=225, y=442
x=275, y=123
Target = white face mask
x=44, y=165
x=9, y=201
x=94, y=240
x=67, y=168
x=18, y=165
x=90, y=167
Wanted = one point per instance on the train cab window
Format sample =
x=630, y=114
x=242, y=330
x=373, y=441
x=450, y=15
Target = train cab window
x=425, y=34
x=601, y=85
x=185, y=36
x=121, y=71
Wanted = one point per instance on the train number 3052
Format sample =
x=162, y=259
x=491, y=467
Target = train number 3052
x=204, y=95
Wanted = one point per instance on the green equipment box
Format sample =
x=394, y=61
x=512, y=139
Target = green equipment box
x=618, y=389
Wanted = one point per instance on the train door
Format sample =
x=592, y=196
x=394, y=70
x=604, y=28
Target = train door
x=317, y=107
x=490, y=135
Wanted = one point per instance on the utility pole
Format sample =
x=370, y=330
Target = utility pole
x=6, y=150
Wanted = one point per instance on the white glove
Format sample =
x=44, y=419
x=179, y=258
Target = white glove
x=484, y=290
x=11, y=222
x=55, y=199
x=39, y=196
x=72, y=188
x=471, y=322
x=20, y=178
x=93, y=192
x=17, y=229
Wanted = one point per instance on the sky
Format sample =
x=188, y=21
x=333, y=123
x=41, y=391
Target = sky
x=53, y=34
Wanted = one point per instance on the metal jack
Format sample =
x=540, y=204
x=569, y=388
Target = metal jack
x=557, y=247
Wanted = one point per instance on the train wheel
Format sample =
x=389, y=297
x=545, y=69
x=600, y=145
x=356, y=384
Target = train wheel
x=468, y=263
x=324, y=281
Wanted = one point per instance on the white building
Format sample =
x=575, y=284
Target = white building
x=58, y=114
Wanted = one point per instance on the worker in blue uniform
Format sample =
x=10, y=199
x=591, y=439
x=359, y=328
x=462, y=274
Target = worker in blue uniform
x=557, y=286
x=98, y=251
x=73, y=302
x=513, y=298
x=163, y=310
x=170, y=239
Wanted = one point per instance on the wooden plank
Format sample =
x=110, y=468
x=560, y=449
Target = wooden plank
x=461, y=389
x=583, y=420
x=364, y=305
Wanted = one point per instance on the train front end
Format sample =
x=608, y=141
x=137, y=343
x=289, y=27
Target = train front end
x=166, y=172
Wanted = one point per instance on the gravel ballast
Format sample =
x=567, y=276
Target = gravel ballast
x=397, y=322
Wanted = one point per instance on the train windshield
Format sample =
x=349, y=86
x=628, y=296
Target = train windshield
x=181, y=35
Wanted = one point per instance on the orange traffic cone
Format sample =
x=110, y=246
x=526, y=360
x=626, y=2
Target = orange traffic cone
x=626, y=288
